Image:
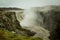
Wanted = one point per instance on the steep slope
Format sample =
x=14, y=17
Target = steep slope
x=9, y=22
x=6, y=35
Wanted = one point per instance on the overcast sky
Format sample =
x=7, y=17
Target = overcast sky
x=27, y=3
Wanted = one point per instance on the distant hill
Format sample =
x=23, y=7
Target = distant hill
x=9, y=8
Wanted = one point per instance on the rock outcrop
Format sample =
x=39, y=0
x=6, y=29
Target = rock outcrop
x=9, y=22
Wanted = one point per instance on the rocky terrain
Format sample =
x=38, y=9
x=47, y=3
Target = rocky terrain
x=7, y=35
x=9, y=22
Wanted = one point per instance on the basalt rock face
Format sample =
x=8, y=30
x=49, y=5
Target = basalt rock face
x=55, y=32
x=51, y=20
x=9, y=22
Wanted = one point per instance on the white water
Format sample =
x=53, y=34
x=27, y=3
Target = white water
x=32, y=21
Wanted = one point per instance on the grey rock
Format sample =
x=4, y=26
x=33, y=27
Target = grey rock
x=9, y=22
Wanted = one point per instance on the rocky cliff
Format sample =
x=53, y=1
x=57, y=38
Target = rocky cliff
x=9, y=22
